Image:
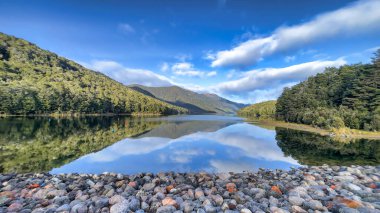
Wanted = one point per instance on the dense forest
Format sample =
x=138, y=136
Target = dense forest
x=195, y=103
x=36, y=81
x=264, y=109
x=348, y=96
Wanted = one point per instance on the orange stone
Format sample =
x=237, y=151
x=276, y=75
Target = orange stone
x=231, y=187
x=350, y=203
x=333, y=187
x=168, y=201
x=168, y=188
x=33, y=186
x=372, y=186
x=276, y=189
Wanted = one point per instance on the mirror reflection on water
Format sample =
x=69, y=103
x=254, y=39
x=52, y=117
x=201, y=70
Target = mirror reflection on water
x=185, y=143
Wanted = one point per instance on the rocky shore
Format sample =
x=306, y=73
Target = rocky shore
x=312, y=189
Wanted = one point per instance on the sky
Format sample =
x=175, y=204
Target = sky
x=243, y=50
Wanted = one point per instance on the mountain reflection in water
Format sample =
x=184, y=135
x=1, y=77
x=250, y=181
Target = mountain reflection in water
x=186, y=143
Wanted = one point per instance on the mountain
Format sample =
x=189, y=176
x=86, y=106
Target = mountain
x=194, y=102
x=348, y=96
x=36, y=81
x=266, y=109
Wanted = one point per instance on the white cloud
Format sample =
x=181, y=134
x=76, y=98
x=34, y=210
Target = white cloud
x=126, y=28
x=271, y=77
x=128, y=76
x=290, y=58
x=361, y=17
x=212, y=73
x=164, y=67
x=187, y=69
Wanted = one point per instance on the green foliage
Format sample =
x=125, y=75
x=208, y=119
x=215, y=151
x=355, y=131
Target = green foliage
x=41, y=144
x=264, y=109
x=348, y=96
x=36, y=81
x=315, y=150
x=196, y=103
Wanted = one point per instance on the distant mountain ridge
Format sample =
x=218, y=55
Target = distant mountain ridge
x=195, y=103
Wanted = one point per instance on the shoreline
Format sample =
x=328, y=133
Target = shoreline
x=340, y=134
x=313, y=189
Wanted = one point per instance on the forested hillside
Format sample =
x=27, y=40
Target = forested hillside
x=266, y=109
x=36, y=81
x=348, y=96
x=196, y=103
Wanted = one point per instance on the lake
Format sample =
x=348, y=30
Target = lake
x=183, y=143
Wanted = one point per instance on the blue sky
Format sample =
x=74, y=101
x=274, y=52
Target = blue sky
x=244, y=50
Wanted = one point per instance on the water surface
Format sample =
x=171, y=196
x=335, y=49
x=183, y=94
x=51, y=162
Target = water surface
x=186, y=143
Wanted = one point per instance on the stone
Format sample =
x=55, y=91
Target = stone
x=132, y=184
x=144, y=206
x=245, y=210
x=217, y=199
x=209, y=209
x=120, y=207
x=14, y=207
x=166, y=209
x=297, y=201
x=101, y=202
x=297, y=209
x=198, y=193
x=314, y=204
x=79, y=208
x=169, y=201
x=231, y=187
x=63, y=208
x=187, y=206
x=134, y=204
x=149, y=186
x=116, y=199
x=351, y=187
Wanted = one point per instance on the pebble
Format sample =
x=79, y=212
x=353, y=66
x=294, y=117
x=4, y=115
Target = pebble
x=300, y=190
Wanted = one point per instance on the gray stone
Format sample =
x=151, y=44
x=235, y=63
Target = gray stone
x=149, y=186
x=79, y=208
x=166, y=209
x=313, y=204
x=120, y=207
x=209, y=209
x=116, y=199
x=134, y=204
x=64, y=208
x=101, y=202
x=297, y=201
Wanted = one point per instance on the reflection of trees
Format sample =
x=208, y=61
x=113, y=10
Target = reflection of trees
x=40, y=144
x=313, y=149
x=180, y=128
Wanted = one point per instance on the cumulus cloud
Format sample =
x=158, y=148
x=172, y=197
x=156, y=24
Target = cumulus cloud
x=187, y=69
x=361, y=17
x=126, y=28
x=127, y=75
x=271, y=77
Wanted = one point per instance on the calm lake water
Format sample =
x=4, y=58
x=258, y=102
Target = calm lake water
x=186, y=143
